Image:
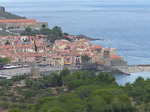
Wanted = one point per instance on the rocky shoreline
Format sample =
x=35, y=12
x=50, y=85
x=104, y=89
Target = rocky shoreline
x=81, y=36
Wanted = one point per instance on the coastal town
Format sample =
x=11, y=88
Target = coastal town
x=73, y=52
x=62, y=52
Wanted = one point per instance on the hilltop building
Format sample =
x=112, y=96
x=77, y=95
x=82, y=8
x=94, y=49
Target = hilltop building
x=18, y=25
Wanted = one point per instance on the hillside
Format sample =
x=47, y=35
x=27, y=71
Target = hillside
x=81, y=91
x=7, y=15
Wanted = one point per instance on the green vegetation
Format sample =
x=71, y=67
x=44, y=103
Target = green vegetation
x=7, y=42
x=43, y=25
x=85, y=58
x=4, y=33
x=53, y=34
x=81, y=91
x=15, y=110
x=4, y=60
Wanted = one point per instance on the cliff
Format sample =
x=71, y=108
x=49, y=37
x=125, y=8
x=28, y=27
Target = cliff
x=7, y=15
x=2, y=8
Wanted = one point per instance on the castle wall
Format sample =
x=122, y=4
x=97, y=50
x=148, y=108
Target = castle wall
x=21, y=24
x=17, y=20
x=89, y=66
x=118, y=62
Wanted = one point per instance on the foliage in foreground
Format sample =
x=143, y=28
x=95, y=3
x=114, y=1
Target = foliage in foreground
x=87, y=92
x=93, y=92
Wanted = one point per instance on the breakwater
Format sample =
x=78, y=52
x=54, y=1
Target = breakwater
x=8, y=73
x=134, y=69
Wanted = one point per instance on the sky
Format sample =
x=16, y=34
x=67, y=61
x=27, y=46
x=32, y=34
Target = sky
x=27, y=0
x=36, y=0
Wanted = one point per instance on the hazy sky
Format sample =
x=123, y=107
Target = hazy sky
x=36, y=0
x=27, y=0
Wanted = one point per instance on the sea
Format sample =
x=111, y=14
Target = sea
x=123, y=24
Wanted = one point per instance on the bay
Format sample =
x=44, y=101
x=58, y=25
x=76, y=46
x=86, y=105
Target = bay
x=124, y=24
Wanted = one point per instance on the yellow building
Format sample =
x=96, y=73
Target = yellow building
x=55, y=60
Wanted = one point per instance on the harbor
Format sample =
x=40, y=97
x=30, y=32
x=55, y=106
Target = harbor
x=8, y=73
x=134, y=69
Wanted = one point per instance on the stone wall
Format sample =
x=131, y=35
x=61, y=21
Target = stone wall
x=89, y=66
x=22, y=26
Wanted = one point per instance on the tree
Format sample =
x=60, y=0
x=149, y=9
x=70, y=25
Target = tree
x=37, y=85
x=15, y=110
x=5, y=60
x=139, y=82
x=5, y=105
x=105, y=77
x=43, y=25
x=66, y=33
x=124, y=99
x=67, y=96
x=46, y=104
x=75, y=84
x=105, y=94
x=13, y=98
x=21, y=100
x=64, y=72
x=55, y=80
x=96, y=104
x=28, y=94
x=57, y=31
x=59, y=89
x=57, y=109
x=85, y=58
x=138, y=91
x=75, y=105
x=35, y=47
x=85, y=91
x=45, y=31
x=7, y=42
x=45, y=93
x=28, y=30
x=68, y=79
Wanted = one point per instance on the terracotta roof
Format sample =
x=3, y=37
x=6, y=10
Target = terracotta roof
x=112, y=56
x=97, y=46
x=100, y=62
x=70, y=37
x=17, y=20
x=56, y=56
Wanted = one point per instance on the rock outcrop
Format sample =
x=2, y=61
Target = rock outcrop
x=2, y=8
x=7, y=15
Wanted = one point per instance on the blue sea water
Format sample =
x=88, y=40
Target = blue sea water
x=124, y=24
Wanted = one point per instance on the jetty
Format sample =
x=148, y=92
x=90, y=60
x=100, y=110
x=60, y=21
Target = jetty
x=8, y=73
x=133, y=69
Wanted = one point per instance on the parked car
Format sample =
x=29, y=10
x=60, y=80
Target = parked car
x=1, y=68
x=25, y=65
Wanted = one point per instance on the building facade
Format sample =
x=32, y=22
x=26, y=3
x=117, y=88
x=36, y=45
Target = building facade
x=21, y=24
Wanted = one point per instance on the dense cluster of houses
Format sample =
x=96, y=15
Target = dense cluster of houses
x=62, y=52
